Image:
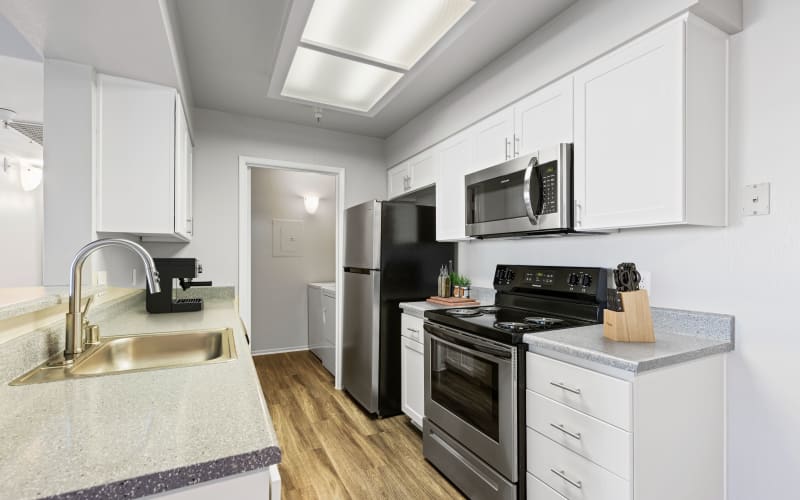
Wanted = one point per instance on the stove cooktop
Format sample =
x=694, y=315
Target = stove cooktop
x=502, y=323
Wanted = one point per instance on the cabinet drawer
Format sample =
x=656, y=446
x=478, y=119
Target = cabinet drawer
x=411, y=327
x=598, y=395
x=537, y=490
x=570, y=474
x=594, y=439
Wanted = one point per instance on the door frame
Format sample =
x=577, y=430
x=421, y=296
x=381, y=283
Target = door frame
x=246, y=164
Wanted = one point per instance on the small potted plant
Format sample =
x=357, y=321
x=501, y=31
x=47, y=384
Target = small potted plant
x=456, y=285
x=466, y=284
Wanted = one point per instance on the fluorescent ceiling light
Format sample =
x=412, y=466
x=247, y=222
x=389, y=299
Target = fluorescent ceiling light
x=395, y=33
x=327, y=79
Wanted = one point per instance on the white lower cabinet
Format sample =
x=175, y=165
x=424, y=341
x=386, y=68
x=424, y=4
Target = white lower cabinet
x=262, y=484
x=537, y=490
x=412, y=358
x=657, y=436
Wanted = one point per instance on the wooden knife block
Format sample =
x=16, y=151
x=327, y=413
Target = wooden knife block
x=633, y=323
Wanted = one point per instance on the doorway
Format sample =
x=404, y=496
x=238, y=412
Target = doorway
x=254, y=256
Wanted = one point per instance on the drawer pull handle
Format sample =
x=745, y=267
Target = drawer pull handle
x=576, y=435
x=563, y=475
x=561, y=385
x=412, y=330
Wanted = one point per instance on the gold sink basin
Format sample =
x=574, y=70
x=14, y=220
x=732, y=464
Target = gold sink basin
x=132, y=353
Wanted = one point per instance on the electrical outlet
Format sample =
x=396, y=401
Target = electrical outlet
x=102, y=278
x=646, y=283
x=133, y=277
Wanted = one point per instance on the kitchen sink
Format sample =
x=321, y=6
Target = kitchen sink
x=132, y=353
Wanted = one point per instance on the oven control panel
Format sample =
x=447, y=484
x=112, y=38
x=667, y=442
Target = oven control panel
x=572, y=280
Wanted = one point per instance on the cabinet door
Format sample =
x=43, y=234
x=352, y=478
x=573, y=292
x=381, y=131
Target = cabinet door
x=183, y=183
x=136, y=157
x=315, y=326
x=412, y=382
x=327, y=350
x=422, y=169
x=398, y=180
x=456, y=159
x=493, y=139
x=544, y=118
x=629, y=134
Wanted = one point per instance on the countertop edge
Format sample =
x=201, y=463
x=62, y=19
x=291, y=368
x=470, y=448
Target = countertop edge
x=537, y=345
x=172, y=479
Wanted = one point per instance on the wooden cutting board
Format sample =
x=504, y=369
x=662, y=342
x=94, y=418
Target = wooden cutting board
x=453, y=301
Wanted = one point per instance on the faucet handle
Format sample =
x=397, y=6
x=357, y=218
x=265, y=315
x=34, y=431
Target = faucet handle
x=88, y=303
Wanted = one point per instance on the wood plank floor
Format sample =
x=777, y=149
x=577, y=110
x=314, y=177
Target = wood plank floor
x=331, y=449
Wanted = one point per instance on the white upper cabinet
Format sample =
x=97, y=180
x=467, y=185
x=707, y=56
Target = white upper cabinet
x=422, y=169
x=494, y=139
x=144, y=161
x=183, y=175
x=544, y=118
x=417, y=173
x=456, y=159
x=650, y=131
x=397, y=179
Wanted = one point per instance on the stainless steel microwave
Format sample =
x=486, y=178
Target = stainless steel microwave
x=527, y=195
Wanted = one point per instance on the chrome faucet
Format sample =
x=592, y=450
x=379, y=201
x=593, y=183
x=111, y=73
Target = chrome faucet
x=78, y=327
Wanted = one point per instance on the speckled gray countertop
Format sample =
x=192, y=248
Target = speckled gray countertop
x=417, y=309
x=680, y=336
x=24, y=300
x=136, y=434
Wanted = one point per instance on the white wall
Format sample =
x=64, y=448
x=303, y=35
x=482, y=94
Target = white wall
x=279, y=291
x=20, y=229
x=69, y=159
x=220, y=138
x=583, y=32
x=749, y=269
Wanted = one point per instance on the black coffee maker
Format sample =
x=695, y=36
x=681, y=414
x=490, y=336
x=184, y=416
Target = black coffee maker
x=174, y=272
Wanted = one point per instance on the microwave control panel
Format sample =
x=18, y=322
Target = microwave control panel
x=549, y=176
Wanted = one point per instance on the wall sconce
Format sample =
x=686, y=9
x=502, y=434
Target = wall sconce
x=30, y=175
x=311, y=203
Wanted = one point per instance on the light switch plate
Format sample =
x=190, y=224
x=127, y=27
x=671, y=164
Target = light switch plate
x=755, y=199
x=287, y=238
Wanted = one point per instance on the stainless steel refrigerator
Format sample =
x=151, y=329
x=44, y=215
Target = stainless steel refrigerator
x=391, y=255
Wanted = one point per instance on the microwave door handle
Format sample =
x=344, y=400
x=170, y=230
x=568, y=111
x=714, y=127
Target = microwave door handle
x=533, y=212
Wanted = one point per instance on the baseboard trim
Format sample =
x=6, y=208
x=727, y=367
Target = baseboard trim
x=279, y=350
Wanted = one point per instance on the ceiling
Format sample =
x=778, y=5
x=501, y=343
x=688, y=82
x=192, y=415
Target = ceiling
x=126, y=38
x=230, y=50
x=22, y=88
x=221, y=54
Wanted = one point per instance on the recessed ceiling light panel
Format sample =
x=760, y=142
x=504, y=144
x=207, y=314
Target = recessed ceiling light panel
x=327, y=79
x=392, y=32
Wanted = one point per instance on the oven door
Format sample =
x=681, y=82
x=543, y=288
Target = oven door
x=525, y=195
x=471, y=394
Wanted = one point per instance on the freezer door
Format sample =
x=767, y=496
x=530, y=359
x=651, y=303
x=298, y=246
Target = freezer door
x=361, y=336
x=363, y=236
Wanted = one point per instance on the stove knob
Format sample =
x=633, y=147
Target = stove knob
x=573, y=279
x=510, y=275
x=586, y=280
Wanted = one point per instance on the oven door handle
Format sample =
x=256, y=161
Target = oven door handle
x=530, y=172
x=455, y=339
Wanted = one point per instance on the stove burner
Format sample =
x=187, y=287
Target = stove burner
x=543, y=321
x=489, y=309
x=514, y=326
x=463, y=312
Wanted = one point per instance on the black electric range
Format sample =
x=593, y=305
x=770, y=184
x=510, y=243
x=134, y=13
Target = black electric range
x=531, y=299
x=474, y=425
